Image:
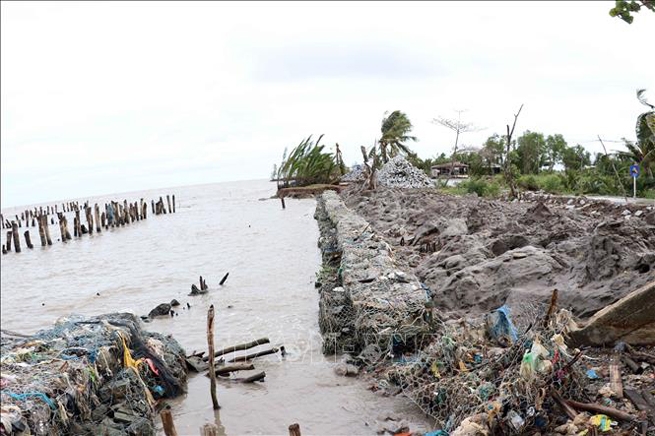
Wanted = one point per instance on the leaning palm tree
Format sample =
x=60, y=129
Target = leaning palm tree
x=395, y=133
x=643, y=151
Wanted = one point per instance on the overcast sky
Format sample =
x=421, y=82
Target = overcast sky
x=99, y=98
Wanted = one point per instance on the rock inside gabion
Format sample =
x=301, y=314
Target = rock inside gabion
x=355, y=175
x=399, y=173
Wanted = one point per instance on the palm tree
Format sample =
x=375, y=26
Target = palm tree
x=643, y=151
x=395, y=132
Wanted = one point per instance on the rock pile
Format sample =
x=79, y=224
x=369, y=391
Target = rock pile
x=355, y=175
x=399, y=173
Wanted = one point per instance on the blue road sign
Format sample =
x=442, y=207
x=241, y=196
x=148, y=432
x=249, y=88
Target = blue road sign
x=634, y=171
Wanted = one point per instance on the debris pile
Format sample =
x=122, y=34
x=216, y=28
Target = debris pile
x=88, y=376
x=492, y=347
x=399, y=173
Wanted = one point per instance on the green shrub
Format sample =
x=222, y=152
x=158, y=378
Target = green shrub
x=551, y=183
x=476, y=186
x=528, y=183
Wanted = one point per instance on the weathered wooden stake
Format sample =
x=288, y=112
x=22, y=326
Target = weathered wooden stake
x=616, y=385
x=294, y=430
x=46, y=230
x=223, y=279
x=210, y=346
x=144, y=210
x=167, y=422
x=168, y=200
x=283, y=205
x=153, y=207
x=28, y=240
x=42, y=231
x=16, y=235
x=78, y=224
x=2, y=218
x=61, y=227
x=173, y=203
x=97, y=218
x=209, y=430
x=8, y=240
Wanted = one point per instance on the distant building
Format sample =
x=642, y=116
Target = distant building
x=453, y=169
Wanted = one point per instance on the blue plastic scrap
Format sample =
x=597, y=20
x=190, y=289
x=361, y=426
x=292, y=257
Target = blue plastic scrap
x=437, y=433
x=504, y=325
x=591, y=374
x=26, y=395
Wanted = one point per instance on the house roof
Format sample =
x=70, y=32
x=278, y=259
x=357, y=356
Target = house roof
x=447, y=165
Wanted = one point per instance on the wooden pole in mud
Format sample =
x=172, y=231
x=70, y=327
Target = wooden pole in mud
x=167, y=422
x=8, y=241
x=294, y=430
x=283, y=205
x=28, y=240
x=16, y=235
x=153, y=206
x=42, y=231
x=77, y=224
x=97, y=217
x=144, y=210
x=209, y=430
x=173, y=203
x=46, y=230
x=168, y=200
x=210, y=346
x=89, y=219
x=2, y=218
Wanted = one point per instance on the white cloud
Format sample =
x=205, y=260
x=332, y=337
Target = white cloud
x=168, y=93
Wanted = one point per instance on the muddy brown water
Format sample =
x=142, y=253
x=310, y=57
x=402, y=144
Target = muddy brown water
x=272, y=257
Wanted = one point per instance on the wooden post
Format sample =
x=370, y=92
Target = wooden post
x=153, y=207
x=616, y=384
x=103, y=220
x=167, y=422
x=42, y=231
x=46, y=230
x=144, y=210
x=8, y=240
x=2, y=218
x=209, y=430
x=210, y=346
x=294, y=430
x=28, y=240
x=283, y=205
x=68, y=234
x=16, y=235
x=78, y=224
x=61, y=227
x=173, y=203
x=97, y=217
x=163, y=209
x=168, y=200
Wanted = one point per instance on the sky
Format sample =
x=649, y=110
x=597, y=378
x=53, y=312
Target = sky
x=108, y=97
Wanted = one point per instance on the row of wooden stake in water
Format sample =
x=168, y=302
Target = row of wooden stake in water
x=115, y=214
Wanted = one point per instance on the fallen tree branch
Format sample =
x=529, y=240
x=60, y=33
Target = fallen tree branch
x=238, y=347
x=232, y=368
x=253, y=355
x=597, y=408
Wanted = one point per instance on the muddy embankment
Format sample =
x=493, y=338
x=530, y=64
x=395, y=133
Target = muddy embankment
x=476, y=254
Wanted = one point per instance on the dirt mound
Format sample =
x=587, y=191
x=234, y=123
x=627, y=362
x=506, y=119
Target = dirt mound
x=497, y=251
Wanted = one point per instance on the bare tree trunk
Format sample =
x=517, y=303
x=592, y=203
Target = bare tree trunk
x=509, y=178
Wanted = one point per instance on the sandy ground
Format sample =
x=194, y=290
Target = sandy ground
x=476, y=254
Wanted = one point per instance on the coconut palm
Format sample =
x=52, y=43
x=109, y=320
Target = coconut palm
x=643, y=151
x=395, y=133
